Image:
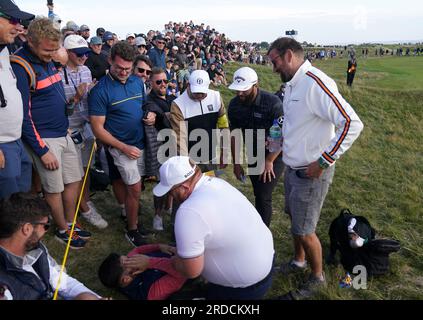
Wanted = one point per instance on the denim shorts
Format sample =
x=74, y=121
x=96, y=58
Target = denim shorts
x=304, y=199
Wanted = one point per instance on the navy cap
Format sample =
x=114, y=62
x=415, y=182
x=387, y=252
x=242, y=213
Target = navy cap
x=159, y=37
x=9, y=8
x=107, y=36
x=81, y=51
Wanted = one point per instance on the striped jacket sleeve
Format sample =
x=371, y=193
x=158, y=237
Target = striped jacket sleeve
x=29, y=131
x=328, y=104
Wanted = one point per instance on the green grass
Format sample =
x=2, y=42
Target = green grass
x=380, y=177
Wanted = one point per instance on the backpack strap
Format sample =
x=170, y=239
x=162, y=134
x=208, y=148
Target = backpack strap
x=28, y=68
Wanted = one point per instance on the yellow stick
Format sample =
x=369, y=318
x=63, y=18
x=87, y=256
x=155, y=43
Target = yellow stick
x=56, y=292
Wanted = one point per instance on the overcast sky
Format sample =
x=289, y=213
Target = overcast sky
x=317, y=21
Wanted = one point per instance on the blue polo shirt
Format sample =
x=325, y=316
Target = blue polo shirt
x=121, y=104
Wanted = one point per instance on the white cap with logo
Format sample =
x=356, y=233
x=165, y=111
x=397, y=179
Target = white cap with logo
x=173, y=172
x=244, y=79
x=199, y=81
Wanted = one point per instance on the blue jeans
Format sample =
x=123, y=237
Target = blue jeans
x=16, y=176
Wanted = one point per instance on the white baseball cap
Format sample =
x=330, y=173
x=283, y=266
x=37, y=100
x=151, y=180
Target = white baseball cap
x=199, y=81
x=76, y=43
x=129, y=35
x=244, y=79
x=140, y=41
x=173, y=172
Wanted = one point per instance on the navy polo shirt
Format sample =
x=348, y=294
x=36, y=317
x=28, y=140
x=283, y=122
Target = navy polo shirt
x=121, y=104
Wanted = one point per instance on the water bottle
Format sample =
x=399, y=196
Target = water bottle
x=275, y=137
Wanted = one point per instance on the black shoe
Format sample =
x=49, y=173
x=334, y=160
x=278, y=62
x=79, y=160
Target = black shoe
x=143, y=232
x=307, y=290
x=135, y=238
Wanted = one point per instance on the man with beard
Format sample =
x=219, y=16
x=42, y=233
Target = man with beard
x=256, y=109
x=218, y=232
x=319, y=126
x=27, y=271
x=159, y=103
x=200, y=110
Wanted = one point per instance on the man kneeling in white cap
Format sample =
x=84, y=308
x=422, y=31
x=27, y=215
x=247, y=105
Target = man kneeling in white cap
x=219, y=234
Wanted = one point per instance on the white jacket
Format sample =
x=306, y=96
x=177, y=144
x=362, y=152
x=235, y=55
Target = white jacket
x=318, y=121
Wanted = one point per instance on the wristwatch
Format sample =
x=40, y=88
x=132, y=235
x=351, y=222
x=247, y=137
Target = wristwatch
x=323, y=164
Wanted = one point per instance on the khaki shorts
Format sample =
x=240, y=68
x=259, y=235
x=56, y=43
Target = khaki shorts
x=70, y=168
x=130, y=170
x=304, y=199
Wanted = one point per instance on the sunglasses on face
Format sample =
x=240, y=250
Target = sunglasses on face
x=142, y=70
x=160, y=42
x=46, y=225
x=12, y=20
x=159, y=82
x=80, y=55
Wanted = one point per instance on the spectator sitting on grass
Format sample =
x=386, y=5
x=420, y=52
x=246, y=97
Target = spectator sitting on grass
x=146, y=273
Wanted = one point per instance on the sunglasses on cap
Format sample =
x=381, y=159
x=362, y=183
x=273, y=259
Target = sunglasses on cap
x=12, y=20
x=159, y=82
x=140, y=46
x=80, y=55
x=142, y=70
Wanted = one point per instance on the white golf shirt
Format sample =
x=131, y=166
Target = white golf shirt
x=218, y=221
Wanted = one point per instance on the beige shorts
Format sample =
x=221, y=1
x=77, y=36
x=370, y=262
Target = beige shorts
x=70, y=168
x=130, y=170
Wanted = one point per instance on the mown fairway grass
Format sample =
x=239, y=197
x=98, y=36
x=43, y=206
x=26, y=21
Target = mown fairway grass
x=380, y=177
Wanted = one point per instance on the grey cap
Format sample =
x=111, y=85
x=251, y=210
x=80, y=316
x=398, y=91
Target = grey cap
x=84, y=27
x=96, y=40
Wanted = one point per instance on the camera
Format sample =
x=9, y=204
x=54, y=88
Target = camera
x=77, y=137
x=50, y=2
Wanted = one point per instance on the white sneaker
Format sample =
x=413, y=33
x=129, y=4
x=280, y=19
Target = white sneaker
x=158, y=223
x=93, y=217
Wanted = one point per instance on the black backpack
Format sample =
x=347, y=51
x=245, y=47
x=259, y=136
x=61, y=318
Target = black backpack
x=374, y=254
